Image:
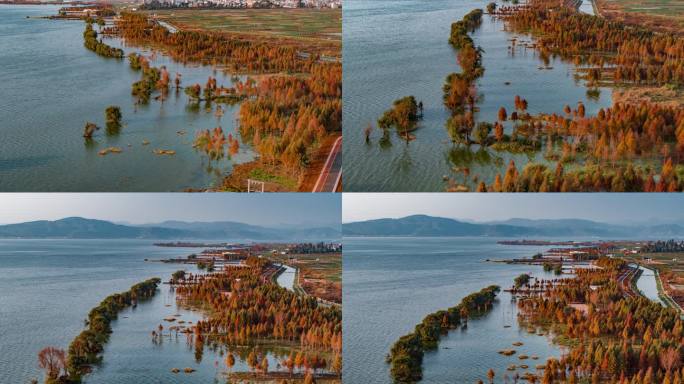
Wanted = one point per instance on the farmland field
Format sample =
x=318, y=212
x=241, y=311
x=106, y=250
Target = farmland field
x=320, y=273
x=661, y=14
x=315, y=25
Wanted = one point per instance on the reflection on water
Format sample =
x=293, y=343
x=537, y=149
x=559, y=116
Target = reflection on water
x=43, y=115
x=133, y=355
x=395, y=48
x=390, y=284
x=53, y=284
x=648, y=286
x=587, y=6
x=466, y=156
x=287, y=278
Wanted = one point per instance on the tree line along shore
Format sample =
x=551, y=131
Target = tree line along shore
x=242, y=306
x=87, y=348
x=289, y=104
x=635, y=145
x=610, y=332
x=245, y=305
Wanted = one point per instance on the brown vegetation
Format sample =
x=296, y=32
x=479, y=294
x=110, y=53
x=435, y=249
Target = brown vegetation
x=621, y=338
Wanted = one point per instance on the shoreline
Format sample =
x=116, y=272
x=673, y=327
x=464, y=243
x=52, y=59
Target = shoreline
x=273, y=177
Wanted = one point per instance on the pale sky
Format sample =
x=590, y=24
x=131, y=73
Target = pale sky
x=268, y=209
x=604, y=207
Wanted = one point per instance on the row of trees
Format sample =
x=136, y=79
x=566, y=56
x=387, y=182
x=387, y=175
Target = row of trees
x=621, y=132
x=86, y=349
x=247, y=306
x=284, y=117
x=460, y=91
x=619, y=338
x=290, y=116
x=320, y=247
x=591, y=177
x=605, y=144
x=663, y=246
x=633, y=54
x=406, y=355
x=91, y=42
x=213, y=48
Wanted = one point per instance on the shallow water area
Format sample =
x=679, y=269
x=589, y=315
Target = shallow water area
x=54, y=85
x=132, y=350
x=53, y=284
x=648, y=286
x=391, y=284
x=287, y=278
x=396, y=48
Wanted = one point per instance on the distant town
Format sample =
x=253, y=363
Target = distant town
x=199, y=4
x=165, y=4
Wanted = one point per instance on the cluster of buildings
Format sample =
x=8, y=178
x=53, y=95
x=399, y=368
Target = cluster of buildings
x=157, y=4
x=223, y=254
x=86, y=10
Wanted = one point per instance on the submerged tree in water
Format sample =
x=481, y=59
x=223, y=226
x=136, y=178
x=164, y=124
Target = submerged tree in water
x=230, y=361
x=113, y=119
x=482, y=133
x=367, y=132
x=89, y=130
x=403, y=116
x=53, y=361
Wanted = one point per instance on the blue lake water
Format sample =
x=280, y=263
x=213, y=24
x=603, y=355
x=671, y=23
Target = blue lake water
x=53, y=85
x=49, y=286
x=396, y=48
x=391, y=284
x=287, y=278
x=647, y=284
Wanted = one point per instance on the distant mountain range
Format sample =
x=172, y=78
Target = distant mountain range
x=423, y=225
x=81, y=228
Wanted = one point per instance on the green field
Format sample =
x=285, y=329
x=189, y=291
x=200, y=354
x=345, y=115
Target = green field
x=662, y=14
x=320, y=274
x=669, y=8
x=323, y=25
x=327, y=266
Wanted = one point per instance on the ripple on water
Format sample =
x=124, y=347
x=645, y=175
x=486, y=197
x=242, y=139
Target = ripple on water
x=398, y=48
x=391, y=284
x=68, y=85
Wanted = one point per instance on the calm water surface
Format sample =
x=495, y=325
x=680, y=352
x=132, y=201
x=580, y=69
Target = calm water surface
x=49, y=286
x=52, y=85
x=390, y=284
x=648, y=286
x=395, y=48
x=287, y=278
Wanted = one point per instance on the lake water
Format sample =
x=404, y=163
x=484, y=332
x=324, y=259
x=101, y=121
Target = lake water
x=395, y=48
x=648, y=286
x=52, y=85
x=49, y=286
x=287, y=278
x=587, y=6
x=391, y=284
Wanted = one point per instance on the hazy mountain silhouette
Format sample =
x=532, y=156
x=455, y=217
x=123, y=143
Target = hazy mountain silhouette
x=81, y=228
x=423, y=225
